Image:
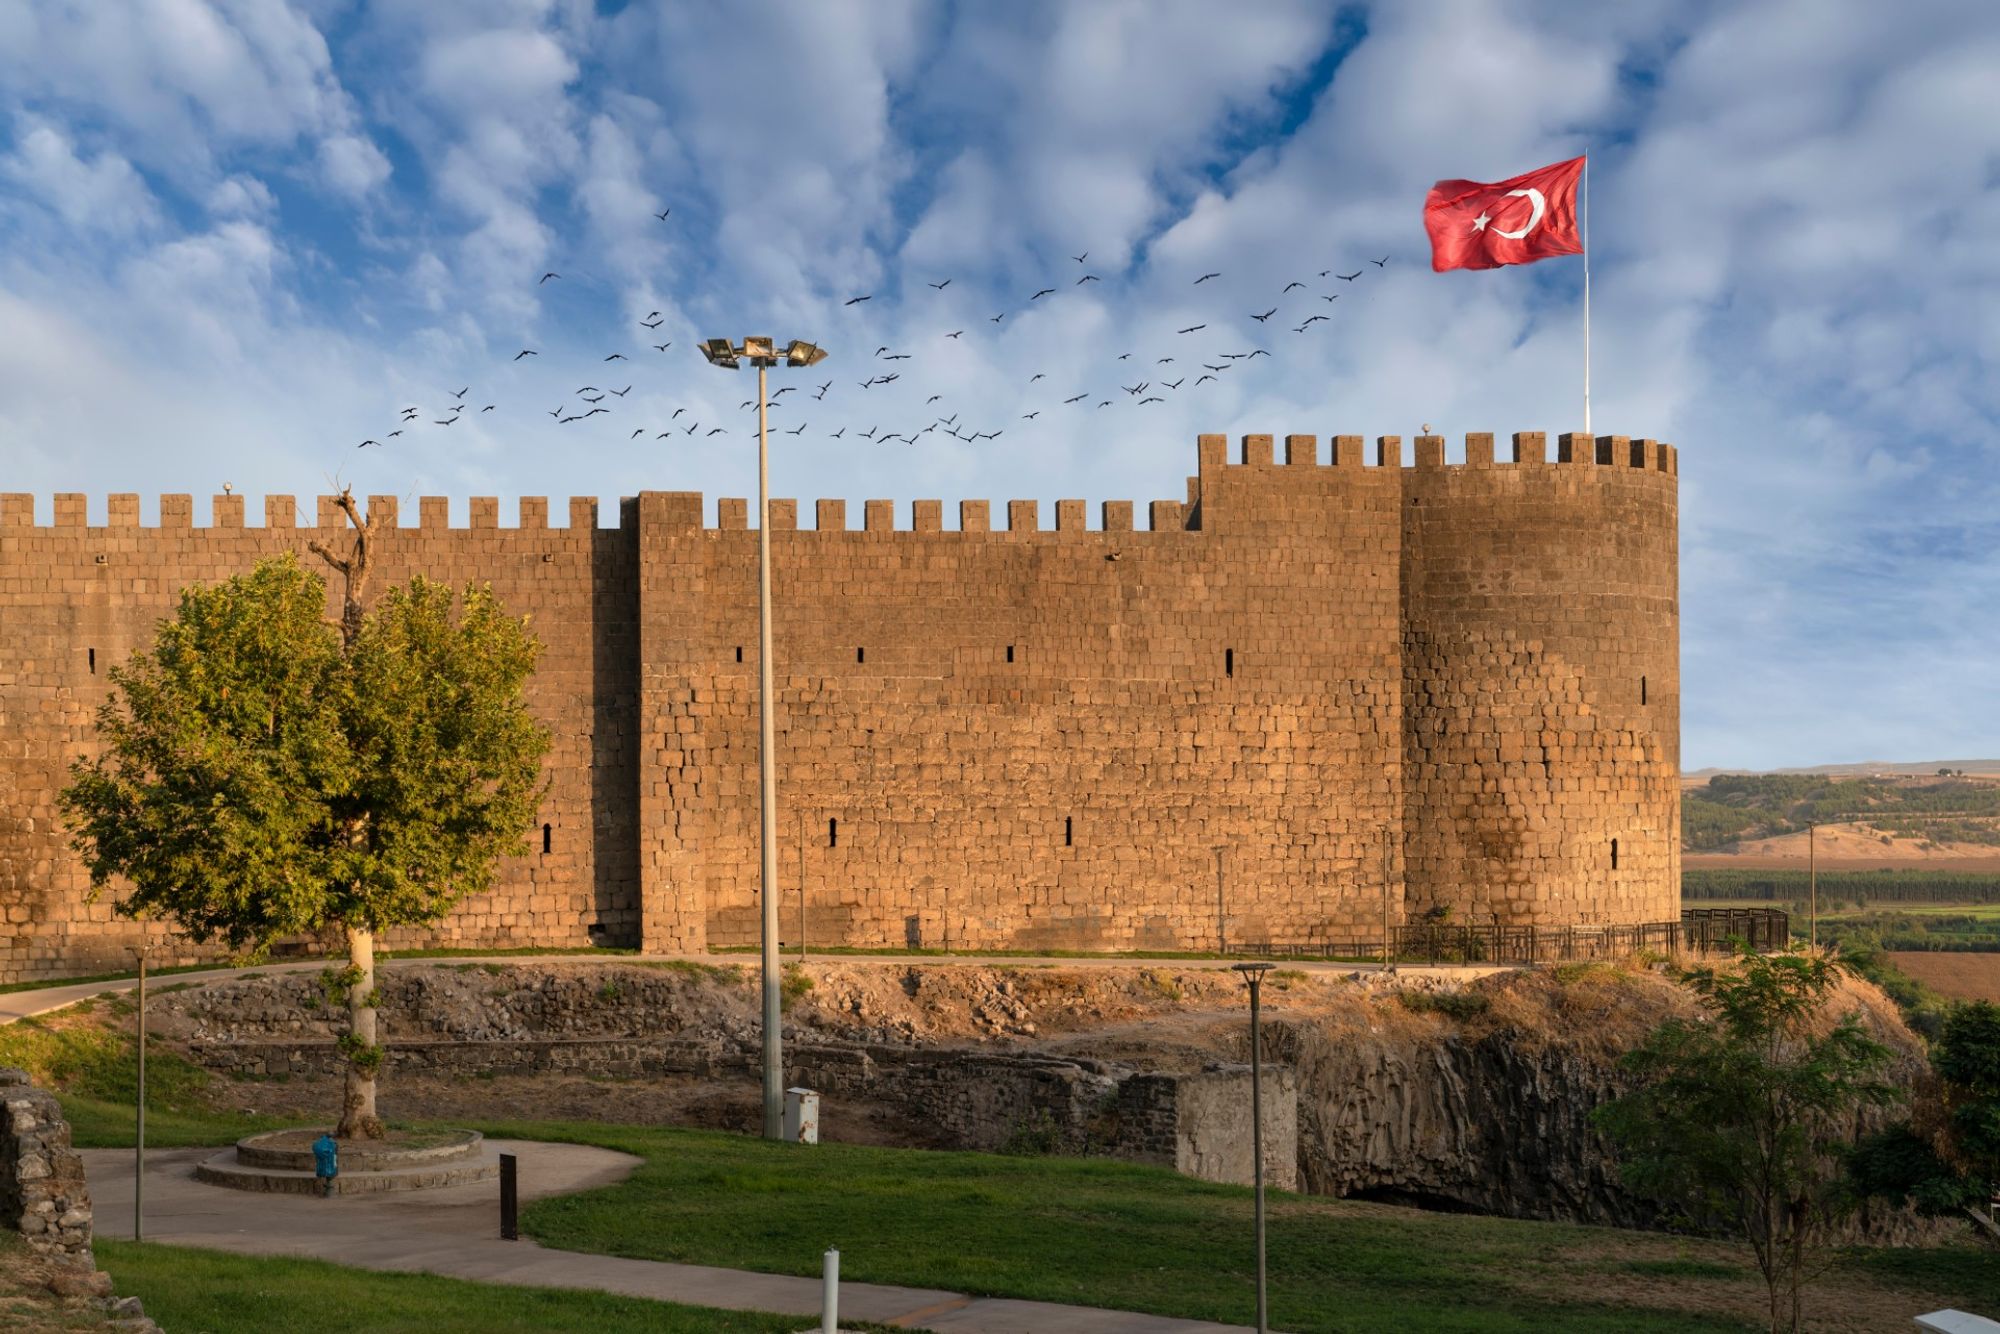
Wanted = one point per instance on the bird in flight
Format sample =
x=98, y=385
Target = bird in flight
x=1205, y=366
x=880, y=350
x=557, y=413
x=941, y=286
x=564, y=421
x=651, y=324
x=661, y=347
x=954, y=333
x=545, y=277
x=1348, y=277
x=1088, y=278
x=1205, y=277
x=997, y=318
x=488, y=408
x=1194, y=328
x=1080, y=258
x=628, y=389
x=868, y=434
x=1105, y=404
x=1380, y=263
x=1313, y=320
x=616, y=356
x=461, y=393
x=594, y=411
x=1138, y=388
x=1030, y=416
x=932, y=399
x=720, y=430
x=1177, y=383
x=800, y=431
x=837, y=434
x=1334, y=297
x=588, y=389
x=1077, y=399
x=526, y=352
x=1260, y=352
x=1124, y=356
x=1266, y=315
x=446, y=422
x=636, y=434
x=1035, y=377
x=857, y=300
x=365, y=443
x=662, y=214
x=1164, y=361
x=1289, y=286
x=1046, y=291
x=1205, y=377
x=897, y=356
x=677, y=412
x=782, y=392
x=1151, y=398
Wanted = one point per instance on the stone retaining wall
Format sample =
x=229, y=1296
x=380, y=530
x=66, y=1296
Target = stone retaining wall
x=973, y=1099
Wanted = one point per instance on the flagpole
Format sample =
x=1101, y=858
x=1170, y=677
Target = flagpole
x=1586, y=294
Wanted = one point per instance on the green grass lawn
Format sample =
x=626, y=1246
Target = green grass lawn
x=1090, y=1232
x=190, y=1291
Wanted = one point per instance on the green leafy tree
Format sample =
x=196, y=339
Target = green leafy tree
x=1740, y=1117
x=266, y=772
x=1946, y=1158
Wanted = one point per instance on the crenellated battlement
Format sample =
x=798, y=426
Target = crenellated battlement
x=1386, y=452
x=1340, y=455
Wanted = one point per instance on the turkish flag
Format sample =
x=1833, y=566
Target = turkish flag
x=1476, y=225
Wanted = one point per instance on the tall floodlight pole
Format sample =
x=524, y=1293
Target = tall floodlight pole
x=1253, y=973
x=762, y=353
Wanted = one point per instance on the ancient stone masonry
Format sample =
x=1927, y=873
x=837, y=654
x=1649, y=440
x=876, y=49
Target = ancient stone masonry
x=1374, y=689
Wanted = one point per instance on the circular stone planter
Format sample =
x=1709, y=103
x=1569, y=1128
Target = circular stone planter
x=281, y=1161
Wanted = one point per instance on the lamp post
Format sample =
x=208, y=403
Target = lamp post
x=1253, y=973
x=763, y=354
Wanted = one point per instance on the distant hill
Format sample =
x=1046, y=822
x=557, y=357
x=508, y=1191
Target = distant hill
x=1918, y=768
x=1915, y=812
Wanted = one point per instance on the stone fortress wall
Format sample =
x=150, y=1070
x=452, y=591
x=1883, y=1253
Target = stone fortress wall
x=1364, y=689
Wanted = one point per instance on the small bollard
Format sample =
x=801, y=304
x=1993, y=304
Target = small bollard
x=510, y=1204
x=829, y=1300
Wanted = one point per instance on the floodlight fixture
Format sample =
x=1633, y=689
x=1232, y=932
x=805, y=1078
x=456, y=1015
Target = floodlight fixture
x=720, y=353
x=759, y=349
x=802, y=353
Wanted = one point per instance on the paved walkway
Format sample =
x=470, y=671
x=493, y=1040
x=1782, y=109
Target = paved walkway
x=22, y=1004
x=455, y=1231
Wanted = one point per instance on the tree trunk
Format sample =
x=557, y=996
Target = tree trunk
x=357, y=1113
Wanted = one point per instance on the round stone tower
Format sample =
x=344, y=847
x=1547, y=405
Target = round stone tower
x=1541, y=682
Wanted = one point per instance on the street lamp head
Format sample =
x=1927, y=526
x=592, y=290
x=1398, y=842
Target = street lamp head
x=802, y=353
x=759, y=349
x=720, y=353
x=1253, y=968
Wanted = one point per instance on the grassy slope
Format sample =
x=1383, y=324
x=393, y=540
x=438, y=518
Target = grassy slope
x=188, y=1290
x=1084, y=1231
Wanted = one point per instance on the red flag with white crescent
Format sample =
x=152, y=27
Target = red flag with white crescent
x=1482, y=225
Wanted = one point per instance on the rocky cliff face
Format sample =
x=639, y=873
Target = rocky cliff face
x=1484, y=1106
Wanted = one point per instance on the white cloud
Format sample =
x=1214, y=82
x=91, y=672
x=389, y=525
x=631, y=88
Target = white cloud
x=351, y=165
x=103, y=194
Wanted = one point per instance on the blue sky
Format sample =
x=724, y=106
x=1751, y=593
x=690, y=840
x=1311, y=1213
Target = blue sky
x=241, y=235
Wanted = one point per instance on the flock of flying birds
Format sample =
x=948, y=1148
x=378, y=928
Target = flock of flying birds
x=884, y=395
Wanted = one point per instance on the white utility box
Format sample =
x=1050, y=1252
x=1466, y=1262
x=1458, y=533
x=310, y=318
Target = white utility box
x=802, y=1116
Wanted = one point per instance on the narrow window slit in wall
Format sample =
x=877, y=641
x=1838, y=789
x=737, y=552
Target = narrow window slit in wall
x=1614, y=854
x=1229, y=662
x=860, y=655
x=1069, y=831
x=832, y=832
x=548, y=833
x=93, y=662
x=1010, y=653
x=739, y=653
x=1642, y=690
